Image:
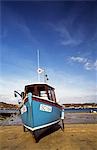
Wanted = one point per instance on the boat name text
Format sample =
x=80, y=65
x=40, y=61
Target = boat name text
x=45, y=108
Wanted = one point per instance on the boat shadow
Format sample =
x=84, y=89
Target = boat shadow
x=39, y=134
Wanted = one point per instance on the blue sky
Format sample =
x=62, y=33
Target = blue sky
x=66, y=35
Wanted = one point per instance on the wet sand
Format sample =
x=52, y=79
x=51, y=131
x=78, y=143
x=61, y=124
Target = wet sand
x=76, y=118
x=74, y=137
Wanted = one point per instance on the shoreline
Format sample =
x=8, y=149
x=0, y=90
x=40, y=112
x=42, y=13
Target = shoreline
x=70, y=118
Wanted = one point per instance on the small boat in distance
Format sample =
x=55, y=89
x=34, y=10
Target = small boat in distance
x=39, y=108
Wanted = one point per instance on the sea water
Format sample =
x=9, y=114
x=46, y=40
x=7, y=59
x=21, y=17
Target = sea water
x=79, y=110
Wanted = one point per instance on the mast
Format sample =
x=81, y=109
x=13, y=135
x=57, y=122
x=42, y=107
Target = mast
x=38, y=59
x=40, y=71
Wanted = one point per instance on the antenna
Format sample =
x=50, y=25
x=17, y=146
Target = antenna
x=40, y=71
x=45, y=77
x=38, y=64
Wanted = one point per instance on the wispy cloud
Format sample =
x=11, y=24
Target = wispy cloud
x=27, y=31
x=91, y=65
x=80, y=99
x=88, y=64
x=95, y=64
x=79, y=59
x=66, y=36
x=16, y=24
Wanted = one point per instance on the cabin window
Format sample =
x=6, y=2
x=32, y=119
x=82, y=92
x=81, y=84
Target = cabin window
x=53, y=95
x=49, y=95
x=43, y=94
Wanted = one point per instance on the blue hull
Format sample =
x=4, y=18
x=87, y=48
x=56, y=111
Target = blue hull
x=40, y=114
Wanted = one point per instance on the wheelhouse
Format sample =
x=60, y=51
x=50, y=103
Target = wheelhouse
x=43, y=91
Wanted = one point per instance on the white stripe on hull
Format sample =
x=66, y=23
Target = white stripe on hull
x=43, y=126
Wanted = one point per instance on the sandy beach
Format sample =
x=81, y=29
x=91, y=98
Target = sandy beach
x=80, y=133
x=74, y=137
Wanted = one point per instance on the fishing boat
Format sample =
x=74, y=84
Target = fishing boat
x=39, y=109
